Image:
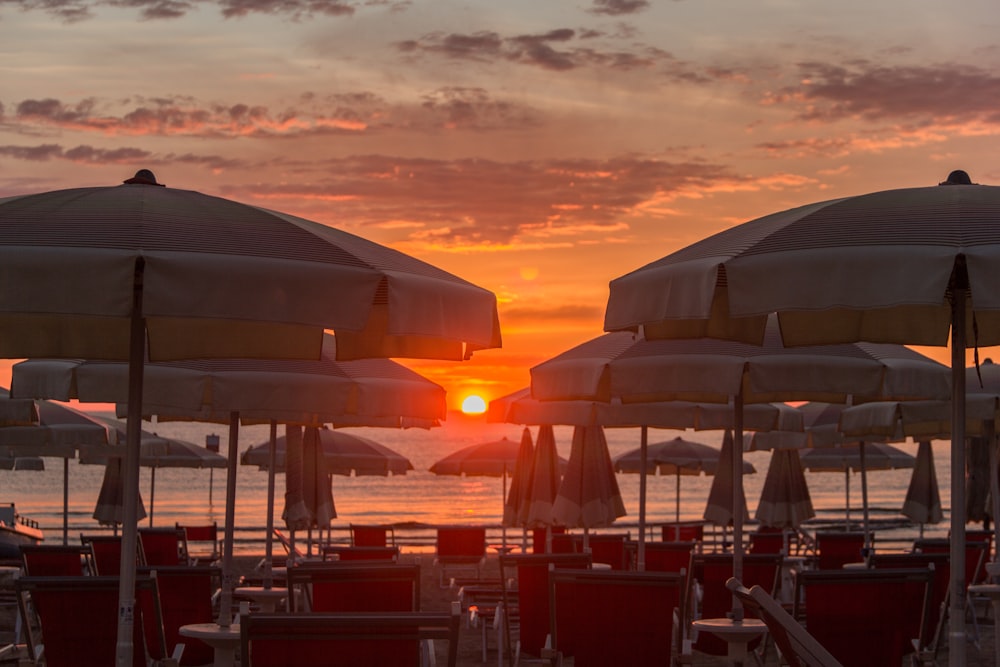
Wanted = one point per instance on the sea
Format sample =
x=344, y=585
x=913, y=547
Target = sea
x=419, y=500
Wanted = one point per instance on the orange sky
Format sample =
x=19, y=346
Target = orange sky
x=536, y=149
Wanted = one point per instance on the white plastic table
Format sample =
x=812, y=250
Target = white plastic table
x=737, y=634
x=222, y=640
x=265, y=598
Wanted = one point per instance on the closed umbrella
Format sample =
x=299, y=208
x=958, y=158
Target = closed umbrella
x=784, y=498
x=109, y=510
x=923, y=500
x=308, y=495
x=520, y=485
x=722, y=508
x=912, y=266
x=545, y=479
x=588, y=496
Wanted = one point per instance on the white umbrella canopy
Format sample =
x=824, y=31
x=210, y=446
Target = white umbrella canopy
x=722, y=507
x=138, y=271
x=906, y=266
x=588, y=496
x=520, y=481
x=784, y=499
x=343, y=454
x=923, y=498
x=545, y=480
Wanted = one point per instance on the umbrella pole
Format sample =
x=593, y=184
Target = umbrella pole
x=643, y=456
x=66, y=501
x=738, y=499
x=503, y=524
x=864, y=500
x=152, y=490
x=130, y=500
x=226, y=599
x=847, y=498
x=956, y=612
x=994, y=484
x=269, y=540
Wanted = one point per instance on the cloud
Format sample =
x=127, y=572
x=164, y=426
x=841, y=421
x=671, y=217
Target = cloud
x=72, y=11
x=545, y=311
x=78, y=154
x=618, y=7
x=450, y=108
x=557, y=50
x=945, y=93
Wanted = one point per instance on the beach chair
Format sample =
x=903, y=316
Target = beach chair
x=106, y=553
x=162, y=546
x=459, y=548
x=708, y=596
x=372, y=536
x=863, y=616
x=350, y=587
x=934, y=624
x=836, y=549
x=525, y=598
x=608, y=617
x=976, y=554
x=538, y=537
x=372, y=639
x=797, y=647
x=201, y=543
x=767, y=542
x=78, y=620
x=609, y=549
x=669, y=556
x=683, y=531
x=186, y=593
x=345, y=553
x=55, y=560
x=567, y=543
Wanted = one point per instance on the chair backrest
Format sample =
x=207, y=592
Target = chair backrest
x=766, y=542
x=941, y=563
x=162, y=546
x=712, y=571
x=372, y=536
x=532, y=592
x=567, y=543
x=106, y=553
x=985, y=536
x=863, y=616
x=836, y=549
x=683, y=531
x=609, y=549
x=201, y=542
x=461, y=543
x=669, y=556
x=345, y=553
x=607, y=617
x=55, y=560
x=352, y=587
x=345, y=639
x=290, y=549
x=797, y=646
x=538, y=537
x=186, y=593
x=78, y=617
x=975, y=554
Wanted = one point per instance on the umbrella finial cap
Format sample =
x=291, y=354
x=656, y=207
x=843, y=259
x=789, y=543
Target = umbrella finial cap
x=143, y=177
x=957, y=177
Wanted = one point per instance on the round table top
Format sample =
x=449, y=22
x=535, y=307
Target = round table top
x=261, y=592
x=210, y=631
x=991, y=590
x=730, y=630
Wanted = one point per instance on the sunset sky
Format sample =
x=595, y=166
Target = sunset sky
x=537, y=149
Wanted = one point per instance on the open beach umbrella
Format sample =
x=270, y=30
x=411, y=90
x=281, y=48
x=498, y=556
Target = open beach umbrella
x=588, y=495
x=913, y=266
x=673, y=457
x=155, y=451
x=374, y=392
x=343, y=454
x=923, y=499
x=784, y=498
x=141, y=271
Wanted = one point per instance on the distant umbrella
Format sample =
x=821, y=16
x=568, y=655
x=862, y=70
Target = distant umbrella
x=109, y=510
x=545, y=478
x=588, y=495
x=719, y=509
x=345, y=454
x=784, y=499
x=520, y=482
x=923, y=498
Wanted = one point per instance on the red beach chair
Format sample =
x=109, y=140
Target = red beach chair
x=669, y=556
x=201, y=543
x=372, y=536
x=683, y=531
x=353, y=587
x=344, y=553
x=55, y=560
x=186, y=597
x=162, y=546
x=460, y=548
x=836, y=549
x=609, y=549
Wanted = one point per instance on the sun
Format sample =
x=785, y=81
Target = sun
x=473, y=405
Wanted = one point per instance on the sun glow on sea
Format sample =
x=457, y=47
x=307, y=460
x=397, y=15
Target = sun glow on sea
x=473, y=405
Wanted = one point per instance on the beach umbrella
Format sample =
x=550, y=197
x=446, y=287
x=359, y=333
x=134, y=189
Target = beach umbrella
x=784, y=498
x=619, y=367
x=109, y=510
x=859, y=457
x=515, y=504
x=546, y=476
x=588, y=495
x=673, y=457
x=343, y=453
x=722, y=508
x=923, y=499
x=155, y=452
x=308, y=494
x=137, y=271
x=912, y=266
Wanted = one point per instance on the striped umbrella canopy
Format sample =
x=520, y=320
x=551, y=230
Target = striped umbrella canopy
x=343, y=454
x=520, y=482
x=546, y=475
x=722, y=507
